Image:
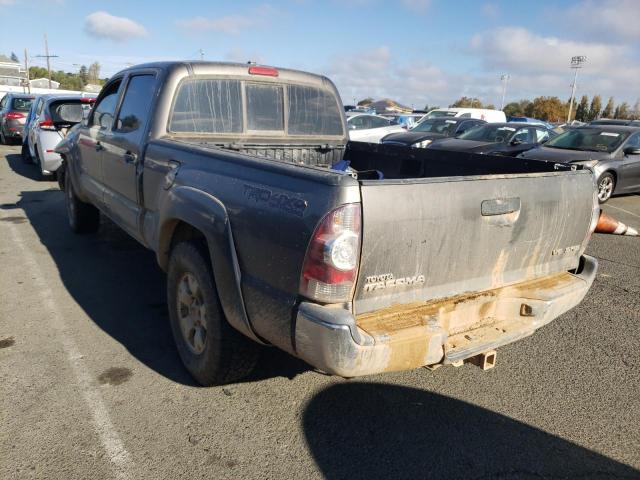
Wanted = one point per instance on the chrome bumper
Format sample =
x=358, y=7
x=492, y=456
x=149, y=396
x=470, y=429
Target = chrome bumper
x=329, y=339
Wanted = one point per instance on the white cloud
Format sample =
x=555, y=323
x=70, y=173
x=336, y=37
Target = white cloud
x=119, y=29
x=229, y=24
x=6, y=3
x=606, y=19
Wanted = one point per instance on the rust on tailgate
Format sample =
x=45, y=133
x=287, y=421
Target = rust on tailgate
x=406, y=328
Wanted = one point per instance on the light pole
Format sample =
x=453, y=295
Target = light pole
x=576, y=64
x=504, y=79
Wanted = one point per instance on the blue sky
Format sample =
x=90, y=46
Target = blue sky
x=415, y=51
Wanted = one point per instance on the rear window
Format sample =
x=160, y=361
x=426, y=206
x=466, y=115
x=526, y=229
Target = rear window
x=211, y=106
x=21, y=104
x=313, y=111
x=69, y=111
x=207, y=106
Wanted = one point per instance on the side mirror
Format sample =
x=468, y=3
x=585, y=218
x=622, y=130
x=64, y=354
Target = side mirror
x=632, y=151
x=516, y=141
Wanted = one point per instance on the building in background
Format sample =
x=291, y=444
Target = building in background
x=43, y=83
x=11, y=73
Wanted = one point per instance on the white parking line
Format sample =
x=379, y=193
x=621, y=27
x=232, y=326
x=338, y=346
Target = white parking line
x=623, y=210
x=119, y=457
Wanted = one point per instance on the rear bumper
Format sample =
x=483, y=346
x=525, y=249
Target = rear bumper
x=329, y=339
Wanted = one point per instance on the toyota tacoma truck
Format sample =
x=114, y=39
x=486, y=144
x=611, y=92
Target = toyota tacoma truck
x=274, y=229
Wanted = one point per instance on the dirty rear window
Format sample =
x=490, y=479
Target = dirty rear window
x=22, y=104
x=313, y=111
x=207, y=106
x=212, y=106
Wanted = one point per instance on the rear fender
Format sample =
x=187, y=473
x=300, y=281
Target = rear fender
x=207, y=214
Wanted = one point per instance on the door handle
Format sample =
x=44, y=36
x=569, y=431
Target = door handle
x=500, y=206
x=130, y=158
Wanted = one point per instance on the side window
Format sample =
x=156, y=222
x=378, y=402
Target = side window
x=377, y=122
x=357, y=123
x=541, y=135
x=136, y=104
x=106, y=107
x=40, y=106
x=634, y=141
x=522, y=135
x=3, y=102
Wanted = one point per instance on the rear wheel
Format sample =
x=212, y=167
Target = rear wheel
x=26, y=156
x=3, y=139
x=83, y=217
x=211, y=350
x=606, y=185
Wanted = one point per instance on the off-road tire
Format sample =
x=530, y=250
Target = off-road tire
x=82, y=217
x=227, y=356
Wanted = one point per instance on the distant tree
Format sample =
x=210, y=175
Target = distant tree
x=513, y=110
x=14, y=57
x=635, y=111
x=622, y=111
x=467, y=102
x=365, y=101
x=596, y=108
x=94, y=72
x=608, y=110
x=83, y=73
x=582, y=110
x=490, y=106
x=37, y=72
x=547, y=108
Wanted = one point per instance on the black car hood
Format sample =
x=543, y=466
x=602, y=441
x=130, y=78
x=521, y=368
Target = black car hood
x=465, y=145
x=564, y=156
x=409, y=138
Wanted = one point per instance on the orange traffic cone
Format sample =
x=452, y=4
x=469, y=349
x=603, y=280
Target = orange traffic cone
x=607, y=224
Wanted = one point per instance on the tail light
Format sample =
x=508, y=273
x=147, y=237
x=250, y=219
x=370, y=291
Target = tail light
x=331, y=264
x=14, y=115
x=88, y=100
x=266, y=71
x=46, y=124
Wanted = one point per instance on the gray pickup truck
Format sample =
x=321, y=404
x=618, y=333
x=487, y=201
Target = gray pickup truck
x=357, y=258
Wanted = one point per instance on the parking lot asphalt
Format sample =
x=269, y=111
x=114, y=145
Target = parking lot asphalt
x=91, y=385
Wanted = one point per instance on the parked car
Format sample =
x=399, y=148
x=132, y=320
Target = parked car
x=612, y=151
x=406, y=121
x=485, y=114
x=425, y=132
x=533, y=121
x=51, y=118
x=14, y=108
x=370, y=128
x=263, y=240
x=615, y=121
x=508, y=139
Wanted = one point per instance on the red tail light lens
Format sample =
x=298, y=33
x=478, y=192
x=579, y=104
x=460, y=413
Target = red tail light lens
x=88, y=100
x=14, y=115
x=46, y=124
x=267, y=71
x=331, y=265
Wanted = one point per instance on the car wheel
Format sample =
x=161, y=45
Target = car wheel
x=213, y=352
x=606, y=185
x=26, y=156
x=83, y=217
x=3, y=139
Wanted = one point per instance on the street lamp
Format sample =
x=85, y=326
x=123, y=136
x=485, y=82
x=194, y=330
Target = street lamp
x=576, y=64
x=504, y=79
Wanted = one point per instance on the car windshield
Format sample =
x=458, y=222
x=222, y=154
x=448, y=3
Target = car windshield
x=489, y=133
x=22, y=104
x=588, y=139
x=435, y=125
x=440, y=113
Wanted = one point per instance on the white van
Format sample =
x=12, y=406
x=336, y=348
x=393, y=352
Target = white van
x=490, y=116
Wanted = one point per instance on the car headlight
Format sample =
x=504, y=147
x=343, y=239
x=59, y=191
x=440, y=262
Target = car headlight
x=586, y=163
x=422, y=144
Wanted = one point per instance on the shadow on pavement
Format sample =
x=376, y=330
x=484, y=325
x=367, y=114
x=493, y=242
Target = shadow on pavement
x=119, y=285
x=367, y=430
x=23, y=169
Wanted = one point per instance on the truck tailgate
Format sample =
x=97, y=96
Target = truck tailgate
x=428, y=239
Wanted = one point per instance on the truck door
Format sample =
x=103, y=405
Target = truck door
x=123, y=147
x=90, y=148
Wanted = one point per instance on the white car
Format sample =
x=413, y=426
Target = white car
x=486, y=114
x=370, y=128
x=52, y=117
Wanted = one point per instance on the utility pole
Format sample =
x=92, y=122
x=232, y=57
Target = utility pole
x=47, y=56
x=576, y=64
x=201, y=54
x=26, y=67
x=504, y=79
